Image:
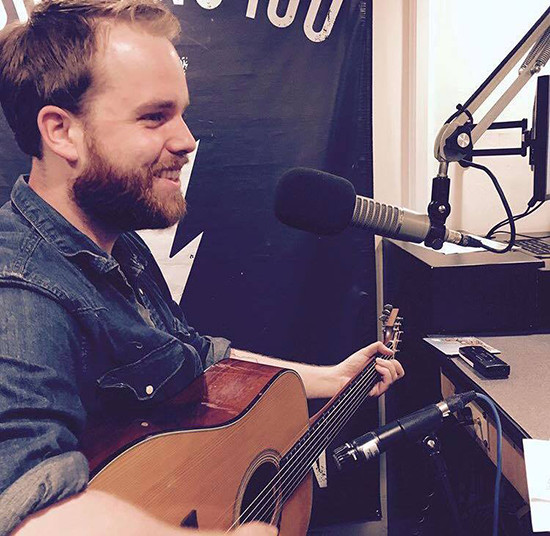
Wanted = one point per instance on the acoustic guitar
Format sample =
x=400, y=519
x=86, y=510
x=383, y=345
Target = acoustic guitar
x=236, y=446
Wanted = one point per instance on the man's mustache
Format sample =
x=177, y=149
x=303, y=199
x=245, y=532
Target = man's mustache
x=174, y=165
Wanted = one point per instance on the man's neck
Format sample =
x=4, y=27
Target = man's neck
x=57, y=195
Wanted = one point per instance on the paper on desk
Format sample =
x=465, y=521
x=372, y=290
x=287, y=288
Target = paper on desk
x=450, y=345
x=537, y=466
x=450, y=249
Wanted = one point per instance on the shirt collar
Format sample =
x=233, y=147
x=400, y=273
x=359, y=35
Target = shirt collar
x=55, y=229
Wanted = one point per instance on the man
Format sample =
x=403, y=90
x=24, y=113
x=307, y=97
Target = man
x=95, y=93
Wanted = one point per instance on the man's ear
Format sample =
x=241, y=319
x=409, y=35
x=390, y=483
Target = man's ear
x=61, y=132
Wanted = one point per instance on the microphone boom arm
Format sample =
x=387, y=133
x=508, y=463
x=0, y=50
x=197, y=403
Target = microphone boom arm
x=449, y=145
x=457, y=136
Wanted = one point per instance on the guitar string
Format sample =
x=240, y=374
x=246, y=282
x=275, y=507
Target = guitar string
x=303, y=449
x=324, y=428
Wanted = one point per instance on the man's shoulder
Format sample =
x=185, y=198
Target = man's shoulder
x=14, y=233
x=26, y=259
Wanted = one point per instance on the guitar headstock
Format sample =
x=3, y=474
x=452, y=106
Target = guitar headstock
x=391, y=326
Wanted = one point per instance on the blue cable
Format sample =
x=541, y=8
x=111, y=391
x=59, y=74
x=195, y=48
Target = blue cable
x=499, y=461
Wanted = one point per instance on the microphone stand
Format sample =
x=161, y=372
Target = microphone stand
x=432, y=447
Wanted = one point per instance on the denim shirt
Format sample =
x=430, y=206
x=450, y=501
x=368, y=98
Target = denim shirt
x=81, y=332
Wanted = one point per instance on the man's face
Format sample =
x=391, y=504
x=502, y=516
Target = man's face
x=136, y=141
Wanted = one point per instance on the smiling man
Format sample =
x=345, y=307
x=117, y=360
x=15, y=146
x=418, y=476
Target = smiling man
x=95, y=94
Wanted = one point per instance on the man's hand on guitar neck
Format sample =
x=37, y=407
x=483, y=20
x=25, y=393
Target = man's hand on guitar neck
x=327, y=381
x=389, y=370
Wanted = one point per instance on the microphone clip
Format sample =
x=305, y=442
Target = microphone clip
x=438, y=209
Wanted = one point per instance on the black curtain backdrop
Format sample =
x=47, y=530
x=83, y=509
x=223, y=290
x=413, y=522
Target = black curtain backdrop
x=12, y=161
x=265, y=99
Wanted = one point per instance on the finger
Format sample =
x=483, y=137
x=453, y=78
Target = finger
x=395, y=366
x=384, y=384
x=383, y=349
x=389, y=366
x=387, y=376
x=399, y=369
x=377, y=348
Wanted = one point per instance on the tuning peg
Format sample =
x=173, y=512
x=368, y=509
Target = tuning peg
x=387, y=308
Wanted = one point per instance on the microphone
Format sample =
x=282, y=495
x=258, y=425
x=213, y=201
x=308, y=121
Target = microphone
x=325, y=204
x=412, y=426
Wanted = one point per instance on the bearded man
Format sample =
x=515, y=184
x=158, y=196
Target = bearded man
x=95, y=94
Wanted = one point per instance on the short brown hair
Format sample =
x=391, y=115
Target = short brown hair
x=49, y=59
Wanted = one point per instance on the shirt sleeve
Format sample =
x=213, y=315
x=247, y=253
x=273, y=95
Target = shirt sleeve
x=41, y=413
x=210, y=349
x=219, y=348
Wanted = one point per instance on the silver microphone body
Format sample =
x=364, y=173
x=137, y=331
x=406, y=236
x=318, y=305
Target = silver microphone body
x=400, y=223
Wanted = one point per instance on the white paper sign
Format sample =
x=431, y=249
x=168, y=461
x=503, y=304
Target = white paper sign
x=537, y=466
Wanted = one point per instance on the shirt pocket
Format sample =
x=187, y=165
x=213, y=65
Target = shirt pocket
x=153, y=378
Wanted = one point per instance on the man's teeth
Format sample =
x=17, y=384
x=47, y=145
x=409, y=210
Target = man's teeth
x=172, y=175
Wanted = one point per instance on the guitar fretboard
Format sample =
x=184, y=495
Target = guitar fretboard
x=298, y=461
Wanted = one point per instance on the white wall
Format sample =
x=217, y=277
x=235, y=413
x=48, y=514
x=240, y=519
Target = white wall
x=388, y=44
x=430, y=55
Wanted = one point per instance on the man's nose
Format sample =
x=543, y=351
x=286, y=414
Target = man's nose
x=181, y=141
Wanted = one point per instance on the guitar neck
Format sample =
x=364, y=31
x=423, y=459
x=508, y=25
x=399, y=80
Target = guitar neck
x=327, y=424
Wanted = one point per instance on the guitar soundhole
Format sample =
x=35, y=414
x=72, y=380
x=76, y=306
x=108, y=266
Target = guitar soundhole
x=261, y=495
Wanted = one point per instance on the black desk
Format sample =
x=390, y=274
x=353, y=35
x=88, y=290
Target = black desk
x=465, y=292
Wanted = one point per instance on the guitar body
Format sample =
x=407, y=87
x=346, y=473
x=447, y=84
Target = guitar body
x=201, y=459
x=235, y=446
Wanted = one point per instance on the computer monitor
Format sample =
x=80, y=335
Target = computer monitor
x=539, y=153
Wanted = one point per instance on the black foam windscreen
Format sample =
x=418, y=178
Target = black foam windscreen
x=314, y=201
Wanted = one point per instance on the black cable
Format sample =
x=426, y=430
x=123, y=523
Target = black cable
x=528, y=211
x=502, y=223
x=508, y=210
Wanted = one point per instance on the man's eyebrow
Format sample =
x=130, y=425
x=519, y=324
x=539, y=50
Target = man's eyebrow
x=158, y=105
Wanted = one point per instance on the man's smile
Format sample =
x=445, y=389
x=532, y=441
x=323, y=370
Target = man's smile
x=170, y=174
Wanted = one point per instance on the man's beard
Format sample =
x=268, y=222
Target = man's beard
x=122, y=200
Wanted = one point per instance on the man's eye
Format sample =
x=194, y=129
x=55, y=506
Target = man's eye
x=155, y=117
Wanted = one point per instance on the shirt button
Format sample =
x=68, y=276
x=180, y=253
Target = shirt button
x=149, y=389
